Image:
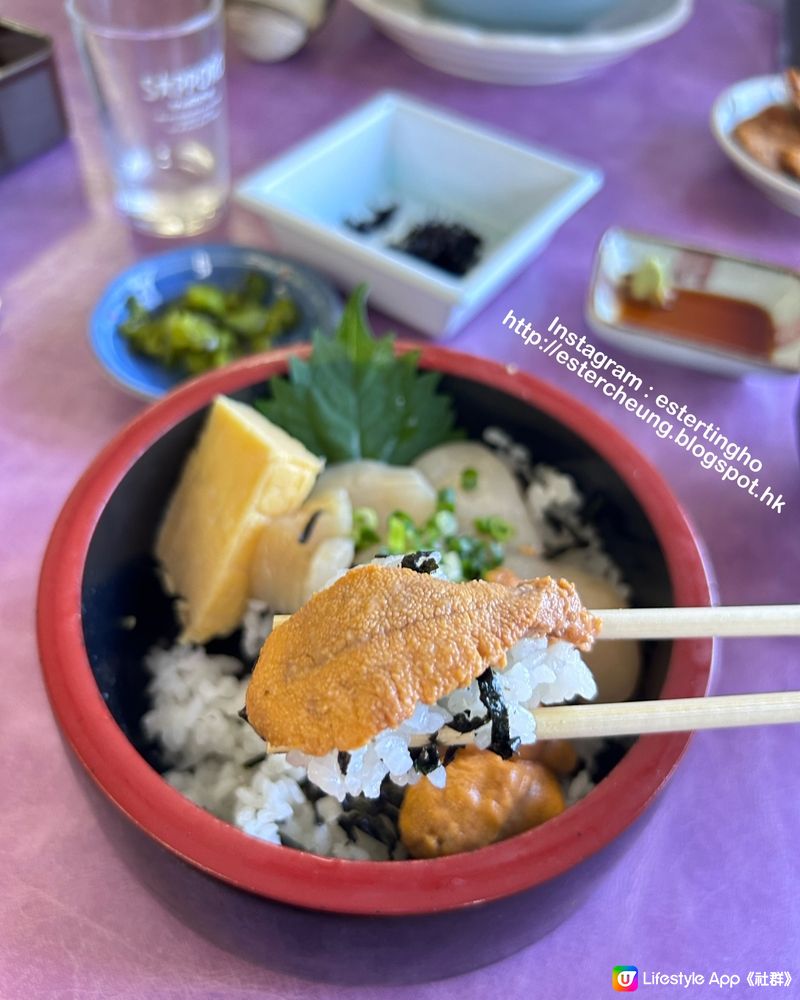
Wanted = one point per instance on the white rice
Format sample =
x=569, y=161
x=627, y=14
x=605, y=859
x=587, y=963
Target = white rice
x=554, y=505
x=537, y=672
x=196, y=699
x=218, y=761
x=256, y=626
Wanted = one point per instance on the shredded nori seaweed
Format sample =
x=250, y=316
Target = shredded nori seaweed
x=380, y=217
x=305, y=534
x=573, y=533
x=392, y=794
x=463, y=723
x=311, y=791
x=287, y=841
x=420, y=562
x=449, y=754
x=556, y=551
x=343, y=760
x=380, y=827
x=492, y=698
x=377, y=818
x=449, y=245
x=426, y=758
x=242, y=713
x=252, y=761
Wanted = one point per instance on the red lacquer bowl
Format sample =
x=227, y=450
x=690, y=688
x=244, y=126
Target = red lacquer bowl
x=458, y=912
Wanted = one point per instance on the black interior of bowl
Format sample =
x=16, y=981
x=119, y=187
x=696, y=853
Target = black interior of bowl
x=16, y=46
x=125, y=611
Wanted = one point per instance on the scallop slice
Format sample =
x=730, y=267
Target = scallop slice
x=496, y=492
x=300, y=552
x=385, y=488
x=615, y=665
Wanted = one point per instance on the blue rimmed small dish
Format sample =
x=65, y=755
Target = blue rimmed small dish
x=156, y=281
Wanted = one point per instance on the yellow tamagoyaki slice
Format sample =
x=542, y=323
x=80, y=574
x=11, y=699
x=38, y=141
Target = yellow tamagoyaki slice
x=243, y=470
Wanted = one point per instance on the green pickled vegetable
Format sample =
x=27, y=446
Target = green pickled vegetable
x=207, y=327
x=205, y=298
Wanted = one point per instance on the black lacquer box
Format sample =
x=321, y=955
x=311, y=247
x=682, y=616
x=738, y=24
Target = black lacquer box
x=32, y=117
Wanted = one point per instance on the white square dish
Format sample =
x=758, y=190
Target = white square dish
x=776, y=290
x=430, y=164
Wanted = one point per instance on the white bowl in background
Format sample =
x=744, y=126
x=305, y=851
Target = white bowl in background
x=522, y=15
x=525, y=58
x=736, y=104
x=775, y=289
x=429, y=163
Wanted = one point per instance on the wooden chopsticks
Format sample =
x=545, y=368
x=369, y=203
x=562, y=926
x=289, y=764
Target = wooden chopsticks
x=686, y=623
x=637, y=718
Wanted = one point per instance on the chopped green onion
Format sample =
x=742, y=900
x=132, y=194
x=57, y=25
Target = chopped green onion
x=464, y=545
x=405, y=518
x=495, y=527
x=446, y=499
x=365, y=527
x=452, y=568
x=401, y=536
x=446, y=523
x=464, y=556
x=469, y=479
x=494, y=554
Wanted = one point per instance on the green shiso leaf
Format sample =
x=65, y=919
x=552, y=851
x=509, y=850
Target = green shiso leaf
x=353, y=398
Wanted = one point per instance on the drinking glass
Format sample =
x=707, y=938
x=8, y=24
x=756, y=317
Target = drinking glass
x=157, y=70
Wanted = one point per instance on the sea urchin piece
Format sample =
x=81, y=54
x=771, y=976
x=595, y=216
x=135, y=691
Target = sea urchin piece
x=361, y=654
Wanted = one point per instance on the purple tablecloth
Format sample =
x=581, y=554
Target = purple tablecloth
x=713, y=884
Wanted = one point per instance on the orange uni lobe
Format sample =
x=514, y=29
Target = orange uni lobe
x=360, y=655
x=486, y=799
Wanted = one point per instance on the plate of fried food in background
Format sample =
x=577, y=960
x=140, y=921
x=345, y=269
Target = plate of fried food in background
x=757, y=124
